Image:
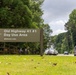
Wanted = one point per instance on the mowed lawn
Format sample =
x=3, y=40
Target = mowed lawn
x=37, y=65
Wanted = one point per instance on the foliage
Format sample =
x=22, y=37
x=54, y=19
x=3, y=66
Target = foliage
x=15, y=13
x=47, y=36
x=67, y=41
x=24, y=14
x=57, y=41
x=62, y=42
x=71, y=26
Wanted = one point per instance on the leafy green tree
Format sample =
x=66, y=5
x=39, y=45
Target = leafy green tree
x=37, y=13
x=57, y=41
x=24, y=14
x=71, y=26
x=47, y=36
x=15, y=13
x=67, y=41
x=63, y=42
x=64, y=45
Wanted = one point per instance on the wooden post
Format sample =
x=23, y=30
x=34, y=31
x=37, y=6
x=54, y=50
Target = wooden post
x=41, y=42
x=4, y=48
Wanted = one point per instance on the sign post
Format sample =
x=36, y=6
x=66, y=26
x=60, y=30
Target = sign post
x=41, y=42
x=22, y=35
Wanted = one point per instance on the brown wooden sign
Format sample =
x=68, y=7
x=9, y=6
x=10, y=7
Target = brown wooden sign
x=22, y=35
x=19, y=35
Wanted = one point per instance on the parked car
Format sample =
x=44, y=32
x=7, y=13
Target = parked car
x=51, y=52
x=66, y=52
x=75, y=51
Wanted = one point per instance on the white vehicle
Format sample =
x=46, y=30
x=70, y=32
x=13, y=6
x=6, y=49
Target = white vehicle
x=51, y=52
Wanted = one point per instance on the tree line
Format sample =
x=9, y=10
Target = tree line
x=66, y=41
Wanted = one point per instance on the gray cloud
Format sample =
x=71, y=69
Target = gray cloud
x=56, y=13
x=56, y=9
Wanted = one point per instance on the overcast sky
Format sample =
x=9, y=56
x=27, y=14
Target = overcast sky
x=56, y=13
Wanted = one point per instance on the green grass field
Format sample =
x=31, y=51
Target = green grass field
x=37, y=65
